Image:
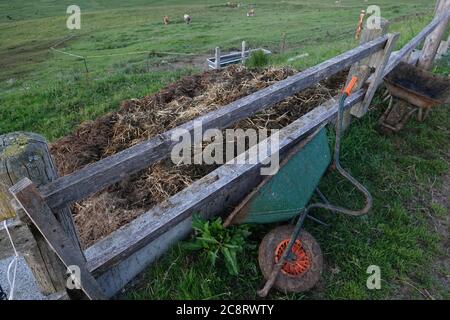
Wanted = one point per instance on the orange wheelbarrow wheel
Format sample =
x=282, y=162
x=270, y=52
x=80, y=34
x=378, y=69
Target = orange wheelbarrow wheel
x=302, y=271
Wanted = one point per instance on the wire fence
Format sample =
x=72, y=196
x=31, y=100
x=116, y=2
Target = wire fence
x=288, y=43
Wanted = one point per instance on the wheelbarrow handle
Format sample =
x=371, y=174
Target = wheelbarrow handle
x=349, y=88
x=279, y=265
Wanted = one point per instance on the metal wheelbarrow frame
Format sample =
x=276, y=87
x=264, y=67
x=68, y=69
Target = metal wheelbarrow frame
x=289, y=257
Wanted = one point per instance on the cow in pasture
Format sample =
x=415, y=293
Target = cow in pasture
x=166, y=20
x=187, y=18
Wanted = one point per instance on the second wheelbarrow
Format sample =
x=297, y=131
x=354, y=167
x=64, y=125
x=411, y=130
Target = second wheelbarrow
x=417, y=90
x=289, y=257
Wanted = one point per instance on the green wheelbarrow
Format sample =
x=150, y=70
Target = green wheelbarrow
x=289, y=257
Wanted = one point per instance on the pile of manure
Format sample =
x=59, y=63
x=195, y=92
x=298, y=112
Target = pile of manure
x=140, y=119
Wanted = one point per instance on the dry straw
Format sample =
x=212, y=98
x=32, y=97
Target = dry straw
x=141, y=119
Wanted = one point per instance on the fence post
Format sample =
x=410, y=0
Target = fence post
x=27, y=155
x=443, y=48
x=283, y=43
x=45, y=221
x=433, y=40
x=362, y=68
x=217, y=61
x=243, y=47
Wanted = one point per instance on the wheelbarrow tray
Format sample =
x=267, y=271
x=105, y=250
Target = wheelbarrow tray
x=284, y=195
x=418, y=87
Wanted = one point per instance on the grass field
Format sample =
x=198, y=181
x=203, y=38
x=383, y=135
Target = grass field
x=50, y=93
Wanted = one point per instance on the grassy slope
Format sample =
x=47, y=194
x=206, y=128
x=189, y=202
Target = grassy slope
x=400, y=171
x=49, y=93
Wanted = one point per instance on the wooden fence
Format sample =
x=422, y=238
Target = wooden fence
x=44, y=229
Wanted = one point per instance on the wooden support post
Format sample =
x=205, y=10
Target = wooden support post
x=283, y=43
x=362, y=73
x=243, y=47
x=217, y=61
x=443, y=48
x=23, y=239
x=380, y=64
x=376, y=62
x=43, y=219
x=433, y=41
x=362, y=68
x=27, y=155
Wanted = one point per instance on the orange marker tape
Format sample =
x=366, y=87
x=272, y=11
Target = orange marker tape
x=348, y=89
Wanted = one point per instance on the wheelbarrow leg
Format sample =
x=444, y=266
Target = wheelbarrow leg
x=423, y=114
x=420, y=115
x=427, y=112
x=396, y=116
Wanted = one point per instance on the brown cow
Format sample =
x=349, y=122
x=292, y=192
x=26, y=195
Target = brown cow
x=166, y=20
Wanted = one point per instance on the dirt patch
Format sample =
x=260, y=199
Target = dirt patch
x=172, y=64
x=19, y=59
x=140, y=119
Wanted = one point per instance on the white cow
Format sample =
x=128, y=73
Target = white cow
x=187, y=18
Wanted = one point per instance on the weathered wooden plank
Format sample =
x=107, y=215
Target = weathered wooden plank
x=22, y=237
x=103, y=173
x=412, y=57
x=443, y=48
x=411, y=45
x=433, y=40
x=217, y=59
x=380, y=64
x=362, y=72
x=24, y=154
x=6, y=210
x=362, y=68
x=138, y=234
x=42, y=217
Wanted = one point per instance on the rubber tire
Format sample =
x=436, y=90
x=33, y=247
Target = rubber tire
x=284, y=282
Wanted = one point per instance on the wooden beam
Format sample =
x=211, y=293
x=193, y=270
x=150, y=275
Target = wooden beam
x=6, y=211
x=217, y=59
x=105, y=172
x=24, y=154
x=22, y=237
x=362, y=72
x=443, y=48
x=382, y=60
x=411, y=45
x=433, y=40
x=136, y=240
x=42, y=217
x=362, y=69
